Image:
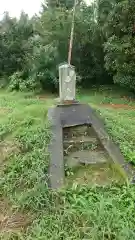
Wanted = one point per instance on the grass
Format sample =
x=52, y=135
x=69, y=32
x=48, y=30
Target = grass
x=28, y=210
x=119, y=122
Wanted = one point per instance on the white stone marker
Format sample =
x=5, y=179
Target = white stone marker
x=67, y=82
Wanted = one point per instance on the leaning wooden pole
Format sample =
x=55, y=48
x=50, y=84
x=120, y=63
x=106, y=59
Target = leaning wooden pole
x=72, y=34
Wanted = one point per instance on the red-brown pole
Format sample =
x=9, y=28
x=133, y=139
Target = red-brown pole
x=71, y=35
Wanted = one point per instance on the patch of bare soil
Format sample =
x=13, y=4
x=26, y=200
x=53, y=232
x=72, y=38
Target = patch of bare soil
x=7, y=148
x=12, y=221
x=118, y=106
x=45, y=96
x=4, y=110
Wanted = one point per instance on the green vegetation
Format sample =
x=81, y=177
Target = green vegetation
x=119, y=120
x=72, y=213
x=103, y=46
x=30, y=52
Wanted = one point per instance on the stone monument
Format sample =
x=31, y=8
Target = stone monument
x=69, y=113
x=67, y=83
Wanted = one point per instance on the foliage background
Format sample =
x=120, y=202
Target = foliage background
x=103, y=47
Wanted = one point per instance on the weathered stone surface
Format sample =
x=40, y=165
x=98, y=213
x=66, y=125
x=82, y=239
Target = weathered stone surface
x=80, y=143
x=74, y=115
x=75, y=131
x=56, y=167
x=86, y=157
x=82, y=139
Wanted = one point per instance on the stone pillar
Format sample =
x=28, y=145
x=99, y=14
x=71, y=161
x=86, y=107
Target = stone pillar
x=67, y=83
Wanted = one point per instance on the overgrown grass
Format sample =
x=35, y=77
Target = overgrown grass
x=75, y=213
x=119, y=121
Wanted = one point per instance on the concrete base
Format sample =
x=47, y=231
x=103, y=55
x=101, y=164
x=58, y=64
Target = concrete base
x=74, y=115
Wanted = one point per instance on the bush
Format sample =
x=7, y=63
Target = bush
x=17, y=83
x=43, y=66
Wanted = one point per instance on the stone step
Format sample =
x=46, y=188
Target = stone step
x=80, y=139
x=76, y=131
x=80, y=143
x=86, y=157
x=101, y=174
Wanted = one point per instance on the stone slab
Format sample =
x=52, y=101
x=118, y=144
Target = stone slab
x=80, y=139
x=86, y=157
x=56, y=166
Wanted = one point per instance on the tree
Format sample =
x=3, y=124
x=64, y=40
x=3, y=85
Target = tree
x=67, y=4
x=32, y=49
x=120, y=45
x=87, y=56
x=14, y=35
